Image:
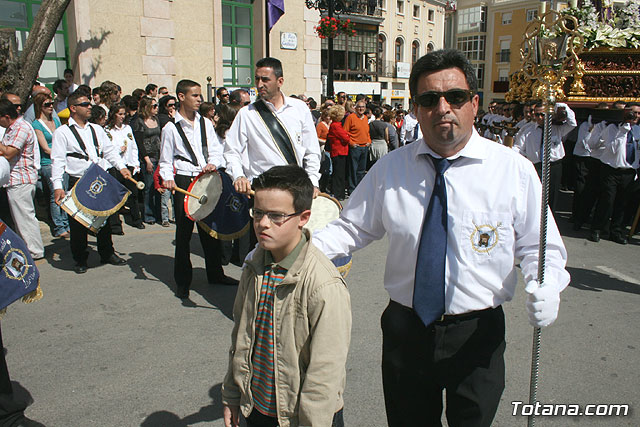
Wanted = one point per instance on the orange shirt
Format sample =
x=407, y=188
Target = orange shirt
x=322, y=130
x=358, y=129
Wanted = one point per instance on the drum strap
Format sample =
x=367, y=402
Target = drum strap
x=187, y=145
x=278, y=132
x=81, y=142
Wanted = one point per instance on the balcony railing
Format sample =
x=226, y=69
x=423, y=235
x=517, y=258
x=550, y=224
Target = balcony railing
x=503, y=56
x=386, y=68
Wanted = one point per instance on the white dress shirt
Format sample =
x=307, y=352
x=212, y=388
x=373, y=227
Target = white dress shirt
x=121, y=137
x=611, y=145
x=490, y=190
x=408, y=127
x=582, y=149
x=64, y=142
x=172, y=145
x=528, y=141
x=248, y=138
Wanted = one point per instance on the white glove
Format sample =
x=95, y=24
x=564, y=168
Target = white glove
x=625, y=126
x=543, y=303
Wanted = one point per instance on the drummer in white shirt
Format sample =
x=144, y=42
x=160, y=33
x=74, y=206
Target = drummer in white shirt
x=67, y=155
x=190, y=157
x=121, y=135
x=484, y=215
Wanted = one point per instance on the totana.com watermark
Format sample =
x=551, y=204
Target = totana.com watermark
x=570, y=409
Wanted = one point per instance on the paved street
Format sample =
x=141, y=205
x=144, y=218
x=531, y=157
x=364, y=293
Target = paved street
x=114, y=347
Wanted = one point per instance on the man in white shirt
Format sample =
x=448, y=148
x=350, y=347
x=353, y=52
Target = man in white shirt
x=189, y=155
x=251, y=147
x=528, y=142
x=69, y=155
x=620, y=155
x=444, y=326
x=410, y=130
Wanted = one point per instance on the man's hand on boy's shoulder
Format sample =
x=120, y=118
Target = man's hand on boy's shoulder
x=230, y=414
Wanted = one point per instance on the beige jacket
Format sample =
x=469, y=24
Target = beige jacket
x=312, y=331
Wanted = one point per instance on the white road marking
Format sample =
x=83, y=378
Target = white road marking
x=617, y=274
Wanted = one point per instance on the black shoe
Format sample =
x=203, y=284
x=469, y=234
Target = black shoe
x=26, y=422
x=224, y=280
x=80, y=268
x=595, y=236
x=182, y=292
x=619, y=238
x=118, y=233
x=114, y=260
x=140, y=226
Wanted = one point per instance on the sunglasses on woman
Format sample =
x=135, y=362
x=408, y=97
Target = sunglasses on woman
x=47, y=104
x=456, y=97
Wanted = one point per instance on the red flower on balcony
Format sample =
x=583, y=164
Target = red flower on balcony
x=332, y=27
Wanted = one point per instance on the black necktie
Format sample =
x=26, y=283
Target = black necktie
x=631, y=148
x=428, y=291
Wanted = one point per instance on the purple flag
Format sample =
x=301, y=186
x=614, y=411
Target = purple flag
x=275, y=9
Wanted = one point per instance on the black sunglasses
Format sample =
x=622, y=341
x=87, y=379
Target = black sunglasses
x=47, y=104
x=455, y=97
x=83, y=104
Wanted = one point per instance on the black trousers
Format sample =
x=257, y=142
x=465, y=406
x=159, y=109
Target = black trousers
x=182, y=268
x=132, y=202
x=78, y=239
x=615, y=185
x=257, y=419
x=587, y=185
x=338, y=177
x=10, y=409
x=555, y=179
x=463, y=354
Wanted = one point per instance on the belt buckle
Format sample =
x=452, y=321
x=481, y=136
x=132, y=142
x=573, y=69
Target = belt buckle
x=441, y=318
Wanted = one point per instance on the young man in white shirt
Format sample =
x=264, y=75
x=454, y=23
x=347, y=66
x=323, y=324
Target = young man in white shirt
x=189, y=157
x=68, y=155
x=250, y=149
x=447, y=276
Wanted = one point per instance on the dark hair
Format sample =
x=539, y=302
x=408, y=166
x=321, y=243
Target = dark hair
x=162, y=104
x=183, y=86
x=97, y=114
x=68, y=71
x=149, y=88
x=291, y=178
x=73, y=98
x=377, y=112
x=57, y=85
x=518, y=111
x=219, y=91
x=111, y=121
x=633, y=104
x=97, y=90
x=206, y=107
x=312, y=103
x=130, y=102
x=273, y=63
x=226, y=114
x=108, y=88
x=236, y=96
x=388, y=116
x=8, y=109
x=138, y=94
x=162, y=87
x=442, y=60
x=38, y=100
x=84, y=90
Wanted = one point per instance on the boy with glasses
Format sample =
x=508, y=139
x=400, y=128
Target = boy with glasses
x=302, y=356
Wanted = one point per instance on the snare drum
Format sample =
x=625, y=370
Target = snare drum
x=206, y=184
x=325, y=209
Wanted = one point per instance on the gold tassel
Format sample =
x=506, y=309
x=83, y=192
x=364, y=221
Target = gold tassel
x=34, y=295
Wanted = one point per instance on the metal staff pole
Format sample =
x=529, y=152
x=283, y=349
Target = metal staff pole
x=549, y=53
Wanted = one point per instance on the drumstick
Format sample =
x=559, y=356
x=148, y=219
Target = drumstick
x=202, y=199
x=138, y=184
